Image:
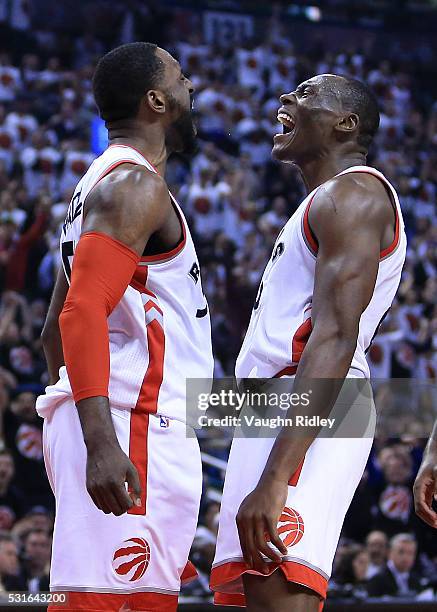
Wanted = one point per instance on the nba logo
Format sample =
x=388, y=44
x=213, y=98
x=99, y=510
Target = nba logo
x=164, y=422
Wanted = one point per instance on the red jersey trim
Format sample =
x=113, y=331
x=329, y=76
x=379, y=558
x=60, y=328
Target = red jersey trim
x=309, y=235
x=294, y=479
x=385, y=252
x=389, y=250
x=239, y=601
x=311, y=239
x=86, y=601
x=137, y=151
x=227, y=576
x=167, y=256
x=110, y=169
x=138, y=450
x=288, y=371
x=189, y=573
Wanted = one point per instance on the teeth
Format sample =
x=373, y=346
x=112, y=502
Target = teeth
x=286, y=120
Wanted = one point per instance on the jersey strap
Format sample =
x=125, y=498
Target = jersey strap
x=311, y=239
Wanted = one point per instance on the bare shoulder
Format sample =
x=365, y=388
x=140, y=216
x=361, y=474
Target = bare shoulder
x=129, y=184
x=129, y=204
x=358, y=196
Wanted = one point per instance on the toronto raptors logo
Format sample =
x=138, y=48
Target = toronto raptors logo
x=290, y=526
x=131, y=560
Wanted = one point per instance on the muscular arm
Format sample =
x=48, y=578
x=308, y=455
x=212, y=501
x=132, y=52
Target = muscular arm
x=123, y=211
x=51, y=335
x=349, y=217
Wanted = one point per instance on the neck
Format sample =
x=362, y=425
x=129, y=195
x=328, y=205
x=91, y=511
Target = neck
x=316, y=172
x=149, y=140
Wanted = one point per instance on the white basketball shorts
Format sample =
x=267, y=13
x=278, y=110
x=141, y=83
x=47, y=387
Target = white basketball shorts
x=135, y=561
x=319, y=494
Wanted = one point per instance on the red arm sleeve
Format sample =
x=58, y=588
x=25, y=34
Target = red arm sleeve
x=102, y=269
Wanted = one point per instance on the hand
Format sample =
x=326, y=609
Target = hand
x=44, y=205
x=425, y=490
x=257, y=522
x=107, y=470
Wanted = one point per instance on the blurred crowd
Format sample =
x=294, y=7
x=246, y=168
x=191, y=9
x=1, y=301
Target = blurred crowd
x=236, y=200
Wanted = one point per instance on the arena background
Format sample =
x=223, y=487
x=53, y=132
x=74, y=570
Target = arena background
x=240, y=57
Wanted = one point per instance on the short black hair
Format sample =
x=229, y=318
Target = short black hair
x=123, y=76
x=358, y=98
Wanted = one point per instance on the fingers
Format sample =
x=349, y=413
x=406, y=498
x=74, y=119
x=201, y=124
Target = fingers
x=241, y=527
x=262, y=545
x=253, y=541
x=133, y=482
x=107, y=487
x=424, y=489
x=122, y=498
x=272, y=530
x=258, y=563
x=109, y=498
x=112, y=503
x=98, y=499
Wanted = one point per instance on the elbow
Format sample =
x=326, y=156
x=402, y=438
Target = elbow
x=71, y=310
x=340, y=338
x=81, y=314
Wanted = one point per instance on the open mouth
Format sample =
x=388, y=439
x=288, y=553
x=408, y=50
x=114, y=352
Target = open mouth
x=288, y=123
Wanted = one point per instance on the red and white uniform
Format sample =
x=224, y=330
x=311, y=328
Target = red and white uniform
x=321, y=491
x=159, y=335
x=150, y=362
x=281, y=320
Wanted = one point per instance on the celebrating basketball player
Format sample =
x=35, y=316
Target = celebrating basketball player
x=134, y=325
x=425, y=486
x=334, y=272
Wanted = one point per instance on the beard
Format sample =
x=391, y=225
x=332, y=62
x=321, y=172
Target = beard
x=181, y=137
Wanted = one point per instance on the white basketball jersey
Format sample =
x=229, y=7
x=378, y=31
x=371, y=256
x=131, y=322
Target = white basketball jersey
x=281, y=319
x=159, y=332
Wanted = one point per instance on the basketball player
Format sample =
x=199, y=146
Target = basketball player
x=425, y=486
x=134, y=325
x=334, y=272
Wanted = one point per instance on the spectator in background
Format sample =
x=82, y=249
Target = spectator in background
x=350, y=574
x=11, y=499
x=398, y=578
x=377, y=549
x=9, y=564
x=23, y=431
x=21, y=244
x=395, y=501
x=40, y=519
x=34, y=574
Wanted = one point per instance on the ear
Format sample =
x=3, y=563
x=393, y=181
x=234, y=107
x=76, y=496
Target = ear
x=348, y=124
x=155, y=100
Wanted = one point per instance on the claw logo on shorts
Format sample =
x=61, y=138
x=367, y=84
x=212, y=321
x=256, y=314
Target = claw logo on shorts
x=290, y=526
x=131, y=560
